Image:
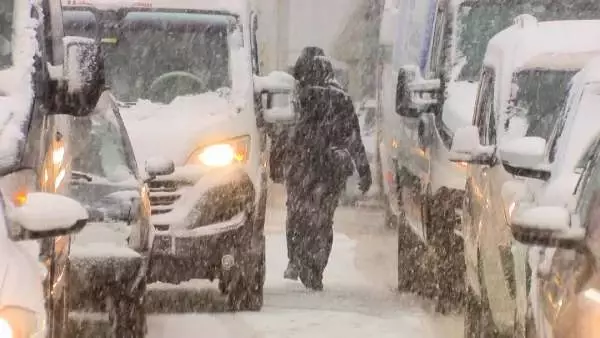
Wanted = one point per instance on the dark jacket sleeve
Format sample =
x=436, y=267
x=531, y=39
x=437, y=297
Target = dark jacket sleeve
x=353, y=140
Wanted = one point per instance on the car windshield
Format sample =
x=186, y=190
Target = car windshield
x=539, y=96
x=103, y=152
x=159, y=56
x=478, y=23
x=6, y=31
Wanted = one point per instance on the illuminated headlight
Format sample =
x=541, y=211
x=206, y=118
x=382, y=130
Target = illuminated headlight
x=234, y=151
x=19, y=323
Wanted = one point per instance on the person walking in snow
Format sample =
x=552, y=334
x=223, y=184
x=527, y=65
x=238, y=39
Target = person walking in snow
x=321, y=154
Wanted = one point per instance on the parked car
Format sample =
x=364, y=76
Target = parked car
x=565, y=285
x=427, y=85
x=41, y=92
x=521, y=94
x=109, y=260
x=187, y=75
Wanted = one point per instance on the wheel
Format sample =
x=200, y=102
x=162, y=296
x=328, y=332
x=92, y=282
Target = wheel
x=245, y=287
x=473, y=316
x=391, y=220
x=127, y=313
x=410, y=254
x=447, y=265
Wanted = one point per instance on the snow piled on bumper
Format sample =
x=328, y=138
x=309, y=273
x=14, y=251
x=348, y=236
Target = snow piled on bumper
x=102, y=240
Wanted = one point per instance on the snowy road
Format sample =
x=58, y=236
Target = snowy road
x=358, y=300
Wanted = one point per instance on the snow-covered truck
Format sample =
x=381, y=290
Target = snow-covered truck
x=187, y=75
x=45, y=80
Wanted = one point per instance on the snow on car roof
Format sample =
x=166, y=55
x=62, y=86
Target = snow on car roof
x=232, y=6
x=589, y=73
x=528, y=38
x=560, y=61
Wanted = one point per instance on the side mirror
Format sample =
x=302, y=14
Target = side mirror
x=159, y=167
x=524, y=156
x=83, y=75
x=414, y=94
x=45, y=215
x=275, y=82
x=546, y=226
x=467, y=148
x=280, y=108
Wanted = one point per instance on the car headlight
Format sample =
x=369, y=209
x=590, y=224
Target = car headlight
x=222, y=154
x=17, y=322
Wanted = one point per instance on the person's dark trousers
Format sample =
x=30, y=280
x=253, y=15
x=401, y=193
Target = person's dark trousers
x=311, y=208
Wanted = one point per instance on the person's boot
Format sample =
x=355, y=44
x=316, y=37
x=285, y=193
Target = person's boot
x=312, y=279
x=291, y=272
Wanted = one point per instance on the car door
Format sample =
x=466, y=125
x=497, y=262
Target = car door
x=570, y=270
x=475, y=200
x=495, y=241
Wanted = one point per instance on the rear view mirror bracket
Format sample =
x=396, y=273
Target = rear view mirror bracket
x=416, y=95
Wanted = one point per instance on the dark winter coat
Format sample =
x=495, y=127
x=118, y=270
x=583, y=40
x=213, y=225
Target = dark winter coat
x=327, y=121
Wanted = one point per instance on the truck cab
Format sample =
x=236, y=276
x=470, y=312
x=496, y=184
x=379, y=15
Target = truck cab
x=195, y=106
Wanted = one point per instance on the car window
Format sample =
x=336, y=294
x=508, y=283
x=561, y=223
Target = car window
x=437, y=44
x=538, y=98
x=6, y=33
x=484, y=108
x=570, y=105
x=102, y=149
x=589, y=185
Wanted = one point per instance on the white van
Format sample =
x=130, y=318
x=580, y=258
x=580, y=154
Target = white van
x=187, y=75
x=524, y=83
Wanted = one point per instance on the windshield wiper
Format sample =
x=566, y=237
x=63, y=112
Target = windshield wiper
x=80, y=175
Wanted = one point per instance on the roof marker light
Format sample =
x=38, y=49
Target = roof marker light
x=525, y=20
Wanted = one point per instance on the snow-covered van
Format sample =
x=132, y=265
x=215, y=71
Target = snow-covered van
x=433, y=53
x=187, y=75
x=523, y=87
x=45, y=80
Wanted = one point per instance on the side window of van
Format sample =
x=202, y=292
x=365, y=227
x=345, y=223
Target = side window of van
x=254, y=43
x=437, y=45
x=484, y=117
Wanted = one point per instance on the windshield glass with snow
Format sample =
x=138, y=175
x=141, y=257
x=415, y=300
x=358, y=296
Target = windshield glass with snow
x=539, y=98
x=6, y=31
x=103, y=152
x=158, y=55
x=479, y=22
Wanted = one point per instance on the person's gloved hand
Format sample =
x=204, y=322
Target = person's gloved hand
x=342, y=157
x=365, y=182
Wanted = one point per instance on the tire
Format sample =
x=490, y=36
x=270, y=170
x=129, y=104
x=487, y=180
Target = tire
x=448, y=265
x=127, y=313
x=245, y=287
x=410, y=254
x=473, y=316
x=391, y=220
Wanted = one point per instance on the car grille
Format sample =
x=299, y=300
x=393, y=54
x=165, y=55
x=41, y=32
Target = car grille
x=163, y=194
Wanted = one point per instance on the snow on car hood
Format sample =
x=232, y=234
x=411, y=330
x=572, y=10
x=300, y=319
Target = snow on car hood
x=171, y=130
x=460, y=104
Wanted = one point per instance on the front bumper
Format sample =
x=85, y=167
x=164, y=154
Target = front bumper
x=92, y=278
x=209, y=220
x=101, y=261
